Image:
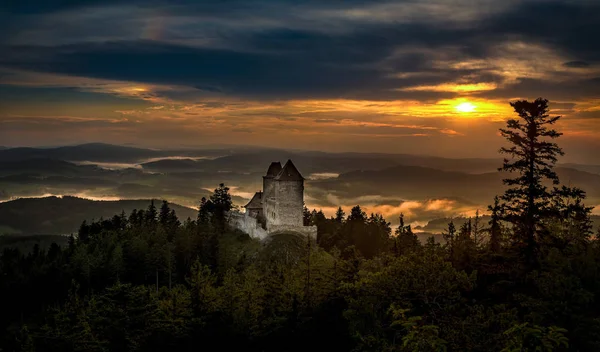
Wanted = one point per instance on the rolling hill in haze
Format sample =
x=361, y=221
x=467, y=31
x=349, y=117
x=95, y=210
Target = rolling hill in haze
x=100, y=152
x=174, y=165
x=253, y=158
x=421, y=187
x=423, y=182
x=63, y=215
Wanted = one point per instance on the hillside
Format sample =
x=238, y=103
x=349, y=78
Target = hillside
x=63, y=215
x=100, y=152
x=415, y=182
x=173, y=165
x=437, y=226
x=46, y=166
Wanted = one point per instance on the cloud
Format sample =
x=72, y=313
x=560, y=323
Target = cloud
x=357, y=74
x=414, y=211
x=576, y=64
x=363, y=56
x=457, y=88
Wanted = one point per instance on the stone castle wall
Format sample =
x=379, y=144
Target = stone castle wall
x=269, y=204
x=303, y=230
x=288, y=204
x=248, y=224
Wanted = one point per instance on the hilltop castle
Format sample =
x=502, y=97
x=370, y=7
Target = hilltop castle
x=278, y=207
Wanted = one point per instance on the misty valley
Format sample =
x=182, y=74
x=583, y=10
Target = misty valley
x=428, y=191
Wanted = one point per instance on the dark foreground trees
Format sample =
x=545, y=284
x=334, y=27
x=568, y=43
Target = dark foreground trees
x=146, y=281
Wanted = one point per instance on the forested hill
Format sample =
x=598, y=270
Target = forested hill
x=63, y=215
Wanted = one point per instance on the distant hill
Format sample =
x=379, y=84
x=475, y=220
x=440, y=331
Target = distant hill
x=254, y=159
x=467, y=165
x=57, y=216
x=415, y=182
x=594, y=169
x=92, y=151
x=102, y=152
x=437, y=226
x=174, y=165
x=47, y=166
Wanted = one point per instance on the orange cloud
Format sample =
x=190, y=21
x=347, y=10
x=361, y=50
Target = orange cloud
x=455, y=88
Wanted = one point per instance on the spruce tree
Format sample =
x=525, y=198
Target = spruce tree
x=339, y=215
x=306, y=216
x=533, y=156
x=163, y=216
x=450, y=237
x=495, y=231
x=405, y=241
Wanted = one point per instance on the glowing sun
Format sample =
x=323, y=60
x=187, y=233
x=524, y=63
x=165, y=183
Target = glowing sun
x=465, y=107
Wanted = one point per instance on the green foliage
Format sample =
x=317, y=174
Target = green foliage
x=417, y=336
x=532, y=338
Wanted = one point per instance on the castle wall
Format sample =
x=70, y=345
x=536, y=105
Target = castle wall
x=269, y=207
x=288, y=203
x=247, y=224
x=310, y=231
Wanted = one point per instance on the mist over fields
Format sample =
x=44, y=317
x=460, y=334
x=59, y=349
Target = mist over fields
x=423, y=188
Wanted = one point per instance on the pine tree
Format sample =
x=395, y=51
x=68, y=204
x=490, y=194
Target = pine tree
x=533, y=157
x=306, y=216
x=357, y=214
x=222, y=204
x=339, y=215
x=405, y=240
x=163, y=217
x=477, y=240
x=575, y=224
x=151, y=215
x=84, y=232
x=450, y=237
x=204, y=211
x=495, y=230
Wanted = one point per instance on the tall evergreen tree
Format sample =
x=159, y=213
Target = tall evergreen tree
x=405, y=240
x=204, y=211
x=163, y=216
x=306, y=216
x=495, y=230
x=533, y=156
x=339, y=215
x=450, y=237
x=222, y=204
x=151, y=215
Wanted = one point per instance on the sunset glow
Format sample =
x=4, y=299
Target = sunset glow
x=465, y=107
x=313, y=78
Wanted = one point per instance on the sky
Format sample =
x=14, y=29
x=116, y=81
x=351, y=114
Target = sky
x=418, y=77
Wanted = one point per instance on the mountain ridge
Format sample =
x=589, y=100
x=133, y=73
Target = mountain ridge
x=63, y=215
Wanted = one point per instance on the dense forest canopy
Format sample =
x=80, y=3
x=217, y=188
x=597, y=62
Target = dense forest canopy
x=526, y=279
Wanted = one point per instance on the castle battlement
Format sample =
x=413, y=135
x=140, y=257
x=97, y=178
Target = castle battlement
x=278, y=207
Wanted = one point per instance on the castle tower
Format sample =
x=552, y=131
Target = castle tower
x=268, y=197
x=278, y=208
x=288, y=200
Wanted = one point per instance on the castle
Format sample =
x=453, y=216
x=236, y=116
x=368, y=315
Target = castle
x=278, y=207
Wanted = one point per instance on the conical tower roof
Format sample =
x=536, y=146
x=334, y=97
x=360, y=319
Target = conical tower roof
x=289, y=172
x=274, y=169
